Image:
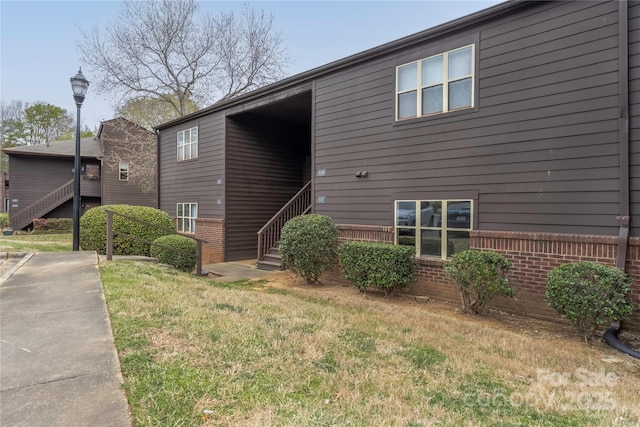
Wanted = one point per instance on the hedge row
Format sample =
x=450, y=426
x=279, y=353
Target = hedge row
x=379, y=265
x=52, y=225
x=93, y=229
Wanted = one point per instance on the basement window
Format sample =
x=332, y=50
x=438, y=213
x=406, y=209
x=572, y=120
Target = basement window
x=435, y=228
x=186, y=214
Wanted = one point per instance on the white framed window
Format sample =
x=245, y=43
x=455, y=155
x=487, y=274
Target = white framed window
x=437, y=84
x=187, y=143
x=123, y=172
x=436, y=228
x=186, y=214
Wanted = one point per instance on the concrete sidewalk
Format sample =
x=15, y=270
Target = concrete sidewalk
x=58, y=364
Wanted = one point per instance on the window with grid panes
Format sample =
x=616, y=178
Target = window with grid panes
x=186, y=214
x=435, y=228
x=437, y=84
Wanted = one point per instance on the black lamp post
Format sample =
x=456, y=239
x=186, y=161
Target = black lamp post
x=80, y=85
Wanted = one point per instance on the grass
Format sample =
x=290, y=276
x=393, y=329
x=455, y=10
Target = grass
x=195, y=351
x=36, y=243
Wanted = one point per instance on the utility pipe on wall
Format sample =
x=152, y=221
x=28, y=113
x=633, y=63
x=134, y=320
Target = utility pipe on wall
x=623, y=132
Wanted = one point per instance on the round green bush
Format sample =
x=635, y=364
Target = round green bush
x=382, y=265
x=93, y=229
x=479, y=276
x=175, y=250
x=589, y=294
x=308, y=245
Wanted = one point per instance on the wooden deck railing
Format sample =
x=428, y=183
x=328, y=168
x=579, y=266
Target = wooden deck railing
x=269, y=235
x=42, y=206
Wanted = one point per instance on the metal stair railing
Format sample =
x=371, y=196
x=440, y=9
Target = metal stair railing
x=269, y=234
x=42, y=206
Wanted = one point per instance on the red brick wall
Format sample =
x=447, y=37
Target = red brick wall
x=212, y=231
x=365, y=233
x=532, y=256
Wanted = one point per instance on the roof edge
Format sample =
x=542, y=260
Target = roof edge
x=419, y=37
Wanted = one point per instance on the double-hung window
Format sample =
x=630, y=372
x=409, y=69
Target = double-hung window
x=437, y=84
x=186, y=214
x=123, y=171
x=436, y=228
x=187, y=143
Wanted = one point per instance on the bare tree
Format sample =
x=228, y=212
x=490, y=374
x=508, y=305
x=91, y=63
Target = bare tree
x=128, y=143
x=169, y=50
x=150, y=112
x=11, y=127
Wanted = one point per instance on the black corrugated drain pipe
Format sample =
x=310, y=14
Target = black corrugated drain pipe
x=611, y=338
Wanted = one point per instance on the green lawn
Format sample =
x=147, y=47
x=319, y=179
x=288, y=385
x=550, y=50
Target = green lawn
x=36, y=243
x=195, y=351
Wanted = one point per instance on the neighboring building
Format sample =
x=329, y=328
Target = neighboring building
x=513, y=129
x=42, y=175
x=4, y=192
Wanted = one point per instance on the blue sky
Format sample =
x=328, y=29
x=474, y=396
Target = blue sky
x=38, y=39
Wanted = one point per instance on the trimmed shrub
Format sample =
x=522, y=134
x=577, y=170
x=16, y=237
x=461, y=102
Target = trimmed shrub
x=381, y=265
x=93, y=229
x=175, y=250
x=589, y=294
x=52, y=225
x=4, y=220
x=308, y=245
x=479, y=276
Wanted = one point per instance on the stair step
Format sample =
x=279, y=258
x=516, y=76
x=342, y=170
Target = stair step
x=273, y=258
x=274, y=251
x=269, y=265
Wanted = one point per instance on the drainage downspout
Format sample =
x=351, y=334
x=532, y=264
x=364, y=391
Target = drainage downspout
x=611, y=336
x=623, y=133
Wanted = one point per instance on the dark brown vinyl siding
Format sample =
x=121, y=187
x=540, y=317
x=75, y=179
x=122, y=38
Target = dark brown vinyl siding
x=265, y=168
x=541, y=149
x=33, y=177
x=115, y=191
x=634, y=114
x=195, y=180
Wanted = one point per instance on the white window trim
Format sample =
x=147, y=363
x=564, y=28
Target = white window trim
x=191, y=229
x=443, y=228
x=445, y=84
x=185, y=143
x=121, y=169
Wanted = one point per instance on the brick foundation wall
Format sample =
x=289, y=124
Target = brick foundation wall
x=365, y=233
x=357, y=233
x=533, y=255
x=633, y=269
x=212, y=231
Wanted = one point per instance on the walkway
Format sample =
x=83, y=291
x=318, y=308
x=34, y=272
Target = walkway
x=58, y=364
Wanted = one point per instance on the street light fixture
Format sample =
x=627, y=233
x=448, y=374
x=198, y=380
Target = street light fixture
x=80, y=85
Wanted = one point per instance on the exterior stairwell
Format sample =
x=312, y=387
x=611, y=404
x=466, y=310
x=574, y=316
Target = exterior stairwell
x=42, y=206
x=269, y=235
